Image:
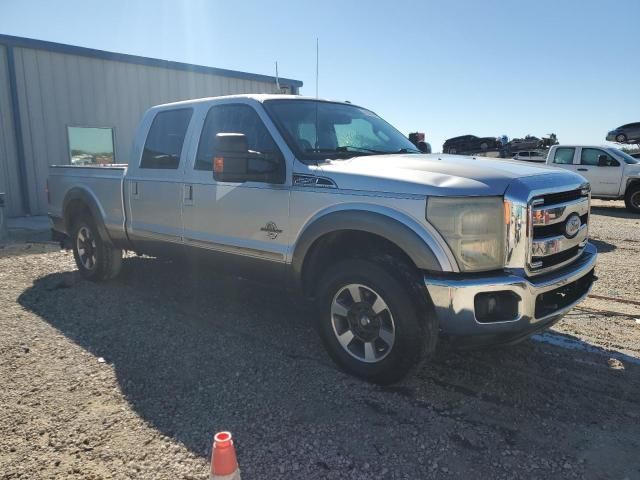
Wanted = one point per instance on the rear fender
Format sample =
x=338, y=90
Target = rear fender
x=91, y=202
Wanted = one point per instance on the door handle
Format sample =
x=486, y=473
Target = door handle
x=134, y=190
x=188, y=195
x=583, y=169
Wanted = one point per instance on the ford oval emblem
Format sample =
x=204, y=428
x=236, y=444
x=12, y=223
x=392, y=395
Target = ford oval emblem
x=572, y=225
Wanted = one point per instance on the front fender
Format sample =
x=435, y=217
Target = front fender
x=422, y=246
x=629, y=181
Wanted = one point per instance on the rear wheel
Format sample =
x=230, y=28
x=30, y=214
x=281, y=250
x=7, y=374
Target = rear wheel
x=369, y=323
x=632, y=199
x=95, y=258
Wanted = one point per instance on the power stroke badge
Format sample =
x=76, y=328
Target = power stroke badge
x=272, y=230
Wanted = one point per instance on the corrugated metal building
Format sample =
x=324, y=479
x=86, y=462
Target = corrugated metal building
x=57, y=102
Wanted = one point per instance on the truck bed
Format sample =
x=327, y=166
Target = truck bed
x=104, y=183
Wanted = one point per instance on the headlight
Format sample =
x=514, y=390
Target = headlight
x=474, y=229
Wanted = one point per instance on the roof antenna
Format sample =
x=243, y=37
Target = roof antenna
x=317, y=63
x=277, y=79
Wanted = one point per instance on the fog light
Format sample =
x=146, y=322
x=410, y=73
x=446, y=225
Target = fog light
x=499, y=306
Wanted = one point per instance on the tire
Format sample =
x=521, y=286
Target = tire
x=397, y=334
x=632, y=199
x=621, y=138
x=96, y=260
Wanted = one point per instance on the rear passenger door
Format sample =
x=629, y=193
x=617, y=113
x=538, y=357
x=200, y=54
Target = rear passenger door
x=154, y=187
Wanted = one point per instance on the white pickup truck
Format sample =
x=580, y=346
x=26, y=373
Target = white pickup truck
x=395, y=248
x=612, y=173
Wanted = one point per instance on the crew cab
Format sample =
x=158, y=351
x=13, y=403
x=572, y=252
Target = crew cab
x=394, y=248
x=612, y=173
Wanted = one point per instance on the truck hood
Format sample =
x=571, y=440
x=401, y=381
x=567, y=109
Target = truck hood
x=432, y=174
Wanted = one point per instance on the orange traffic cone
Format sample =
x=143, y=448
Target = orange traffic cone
x=224, y=464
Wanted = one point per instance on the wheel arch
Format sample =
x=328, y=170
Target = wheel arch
x=631, y=182
x=79, y=200
x=420, y=247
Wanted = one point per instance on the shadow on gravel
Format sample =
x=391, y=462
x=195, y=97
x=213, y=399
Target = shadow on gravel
x=16, y=249
x=614, y=211
x=602, y=246
x=194, y=354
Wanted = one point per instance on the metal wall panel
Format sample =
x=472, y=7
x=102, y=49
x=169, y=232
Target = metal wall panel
x=9, y=176
x=56, y=90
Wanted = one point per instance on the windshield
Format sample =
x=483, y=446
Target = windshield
x=625, y=156
x=317, y=130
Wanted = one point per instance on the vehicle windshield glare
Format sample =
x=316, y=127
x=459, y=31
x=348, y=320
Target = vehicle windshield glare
x=624, y=155
x=317, y=130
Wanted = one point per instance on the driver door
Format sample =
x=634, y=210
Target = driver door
x=604, y=179
x=239, y=220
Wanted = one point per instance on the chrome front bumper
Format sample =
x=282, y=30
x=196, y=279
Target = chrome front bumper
x=454, y=299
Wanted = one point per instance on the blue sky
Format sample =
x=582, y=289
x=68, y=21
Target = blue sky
x=447, y=68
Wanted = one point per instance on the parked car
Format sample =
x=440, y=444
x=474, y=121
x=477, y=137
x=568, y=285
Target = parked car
x=531, y=156
x=629, y=133
x=392, y=247
x=527, y=143
x=612, y=173
x=550, y=140
x=469, y=144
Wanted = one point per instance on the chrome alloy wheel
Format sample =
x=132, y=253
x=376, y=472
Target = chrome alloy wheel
x=86, y=246
x=362, y=323
x=635, y=200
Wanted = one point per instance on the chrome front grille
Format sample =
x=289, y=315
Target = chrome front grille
x=559, y=227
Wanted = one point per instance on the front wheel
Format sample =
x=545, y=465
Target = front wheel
x=95, y=258
x=621, y=138
x=632, y=199
x=370, y=324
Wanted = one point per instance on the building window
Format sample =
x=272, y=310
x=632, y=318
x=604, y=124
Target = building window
x=89, y=145
x=165, y=139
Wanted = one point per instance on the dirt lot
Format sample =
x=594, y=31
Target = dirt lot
x=130, y=379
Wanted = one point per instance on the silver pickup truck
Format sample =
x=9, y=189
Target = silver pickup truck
x=395, y=248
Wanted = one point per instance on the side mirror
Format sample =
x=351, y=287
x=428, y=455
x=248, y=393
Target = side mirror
x=234, y=162
x=424, y=147
x=603, y=161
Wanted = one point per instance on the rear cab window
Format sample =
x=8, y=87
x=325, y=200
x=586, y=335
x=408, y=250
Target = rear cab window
x=163, y=146
x=564, y=155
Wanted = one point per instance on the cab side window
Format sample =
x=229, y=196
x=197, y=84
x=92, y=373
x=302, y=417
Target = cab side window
x=236, y=118
x=590, y=156
x=564, y=156
x=164, y=142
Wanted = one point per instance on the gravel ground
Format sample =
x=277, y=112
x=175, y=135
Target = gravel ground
x=130, y=379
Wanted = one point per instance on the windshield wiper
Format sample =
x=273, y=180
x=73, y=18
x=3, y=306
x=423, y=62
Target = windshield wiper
x=348, y=151
x=346, y=148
